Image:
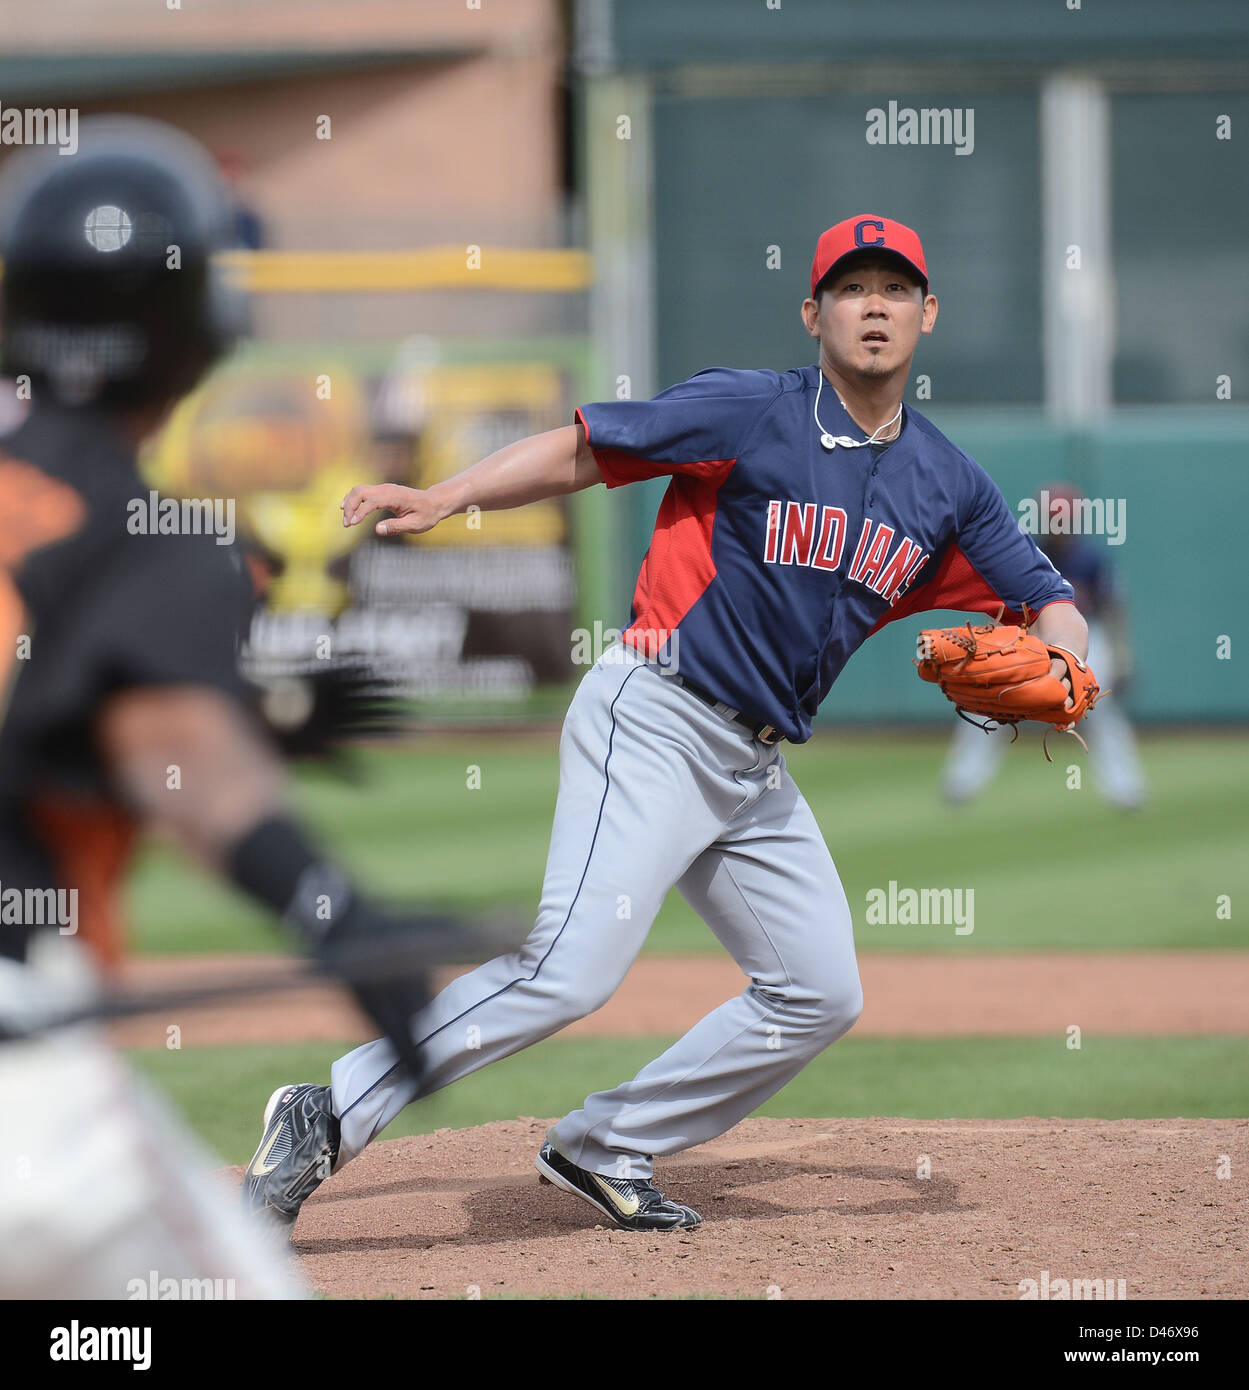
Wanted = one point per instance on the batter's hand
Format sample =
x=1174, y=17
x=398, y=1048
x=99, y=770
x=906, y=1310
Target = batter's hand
x=414, y=510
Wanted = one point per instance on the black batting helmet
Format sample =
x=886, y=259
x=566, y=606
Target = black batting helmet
x=109, y=295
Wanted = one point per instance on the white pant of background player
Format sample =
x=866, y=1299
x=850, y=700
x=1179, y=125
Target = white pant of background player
x=655, y=789
x=974, y=756
x=104, y=1194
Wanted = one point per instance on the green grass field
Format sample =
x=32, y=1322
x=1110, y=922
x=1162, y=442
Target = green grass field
x=1051, y=868
x=222, y=1090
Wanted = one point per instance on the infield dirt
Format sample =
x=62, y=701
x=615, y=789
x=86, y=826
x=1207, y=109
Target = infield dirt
x=1189, y=992
x=801, y=1208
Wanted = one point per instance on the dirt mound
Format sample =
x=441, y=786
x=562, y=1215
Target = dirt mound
x=803, y=1209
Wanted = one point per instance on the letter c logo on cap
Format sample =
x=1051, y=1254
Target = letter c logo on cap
x=860, y=235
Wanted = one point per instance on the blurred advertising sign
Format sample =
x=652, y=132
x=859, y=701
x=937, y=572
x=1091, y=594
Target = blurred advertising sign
x=481, y=604
x=286, y=450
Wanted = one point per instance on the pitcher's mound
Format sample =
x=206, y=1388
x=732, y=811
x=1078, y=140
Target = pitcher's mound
x=805, y=1209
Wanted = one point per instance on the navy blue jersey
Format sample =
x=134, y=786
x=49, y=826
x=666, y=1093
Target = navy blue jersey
x=773, y=560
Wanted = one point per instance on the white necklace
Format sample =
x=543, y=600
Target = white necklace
x=831, y=441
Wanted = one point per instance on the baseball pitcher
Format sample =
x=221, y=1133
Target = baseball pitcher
x=805, y=509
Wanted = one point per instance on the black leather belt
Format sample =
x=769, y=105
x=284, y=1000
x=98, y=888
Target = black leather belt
x=765, y=733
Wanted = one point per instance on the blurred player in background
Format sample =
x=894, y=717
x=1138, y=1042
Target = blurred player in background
x=123, y=707
x=248, y=228
x=975, y=756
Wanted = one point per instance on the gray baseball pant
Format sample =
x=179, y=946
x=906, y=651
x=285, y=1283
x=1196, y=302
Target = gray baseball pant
x=656, y=788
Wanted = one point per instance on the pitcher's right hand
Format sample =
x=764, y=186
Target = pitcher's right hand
x=414, y=509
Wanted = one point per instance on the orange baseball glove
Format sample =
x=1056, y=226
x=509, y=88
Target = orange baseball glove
x=1003, y=673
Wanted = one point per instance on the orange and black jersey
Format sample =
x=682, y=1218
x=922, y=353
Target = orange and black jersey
x=89, y=607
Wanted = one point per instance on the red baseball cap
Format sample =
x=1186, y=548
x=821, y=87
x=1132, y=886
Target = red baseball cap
x=1057, y=493
x=866, y=232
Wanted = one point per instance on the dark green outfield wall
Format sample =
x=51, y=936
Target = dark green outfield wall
x=663, y=33
x=745, y=184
